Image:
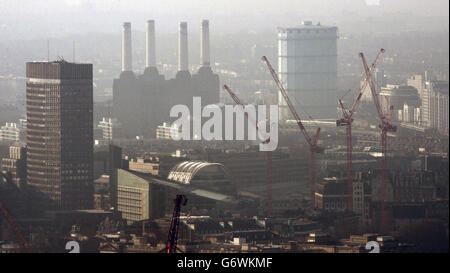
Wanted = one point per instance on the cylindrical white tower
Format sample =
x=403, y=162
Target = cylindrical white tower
x=126, y=47
x=183, y=47
x=307, y=66
x=150, y=44
x=204, y=44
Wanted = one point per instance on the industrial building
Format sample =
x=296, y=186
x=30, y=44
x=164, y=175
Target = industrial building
x=307, y=66
x=142, y=102
x=60, y=132
x=9, y=132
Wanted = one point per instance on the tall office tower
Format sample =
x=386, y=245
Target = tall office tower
x=307, y=66
x=127, y=64
x=60, y=133
x=183, y=63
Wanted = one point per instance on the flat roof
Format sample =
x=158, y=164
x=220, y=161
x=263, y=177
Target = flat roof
x=57, y=61
x=88, y=211
x=211, y=195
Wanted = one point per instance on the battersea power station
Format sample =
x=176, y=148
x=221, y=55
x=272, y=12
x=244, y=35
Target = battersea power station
x=142, y=102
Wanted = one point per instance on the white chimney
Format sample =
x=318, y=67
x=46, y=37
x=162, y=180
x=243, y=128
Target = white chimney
x=204, y=44
x=183, y=47
x=126, y=47
x=150, y=44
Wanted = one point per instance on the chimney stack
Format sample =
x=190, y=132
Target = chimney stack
x=126, y=47
x=183, y=47
x=150, y=44
x=204, y=44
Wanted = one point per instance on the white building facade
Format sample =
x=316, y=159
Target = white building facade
x=307, y=67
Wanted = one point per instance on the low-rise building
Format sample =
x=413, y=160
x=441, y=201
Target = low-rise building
x=145, y=165
x=167, y=131
x=435, y=105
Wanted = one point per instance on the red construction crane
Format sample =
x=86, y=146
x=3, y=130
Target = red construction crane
x=23, y=243
x=385, y=127
x=313, y=147
x=171, y=246
x=347, y=120
x=268, y=153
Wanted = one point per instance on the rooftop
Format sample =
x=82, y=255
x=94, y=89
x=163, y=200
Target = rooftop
x=307, y=25
x=399, y=90
x=185, y=171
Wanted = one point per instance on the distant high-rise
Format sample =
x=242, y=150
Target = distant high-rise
x=435, y=105
x=142, y=102
x=307, y=66
x=60, y=132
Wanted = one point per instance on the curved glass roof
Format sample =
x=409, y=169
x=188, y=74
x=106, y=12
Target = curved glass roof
x=184, y=171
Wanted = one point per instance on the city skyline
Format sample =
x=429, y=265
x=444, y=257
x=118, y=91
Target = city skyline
x=113, y=137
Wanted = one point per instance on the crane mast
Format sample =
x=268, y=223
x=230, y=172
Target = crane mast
x=313, y=147
x=172, y=238
x=385, y=127
x=23, y=243
x=346, y=121
x=268, y=153
x=238, y=101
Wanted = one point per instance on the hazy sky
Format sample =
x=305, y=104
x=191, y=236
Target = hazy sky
x=428, y=7
x=22, y=18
